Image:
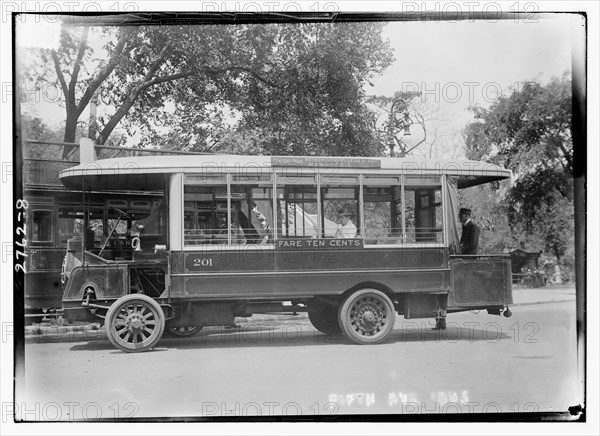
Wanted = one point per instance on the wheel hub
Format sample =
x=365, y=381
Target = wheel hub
x=369, y=317
x=134, y=322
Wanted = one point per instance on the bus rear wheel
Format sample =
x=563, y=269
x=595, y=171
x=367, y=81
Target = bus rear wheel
x=183, y=332
x=323, y=317
x=135, y=323
x=367, y=316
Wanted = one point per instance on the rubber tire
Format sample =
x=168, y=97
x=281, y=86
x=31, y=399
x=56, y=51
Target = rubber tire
x=175, y=332
x=146, y=302
x=350, y=324
x=324, y=318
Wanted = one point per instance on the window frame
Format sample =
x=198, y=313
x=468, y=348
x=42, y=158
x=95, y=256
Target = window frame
x=224, y=180
x=431, y=186
x=52, y=212
x=279, y=181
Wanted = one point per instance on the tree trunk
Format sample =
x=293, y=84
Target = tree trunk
x=557, y=253
x=116, y=118
x=70, y=133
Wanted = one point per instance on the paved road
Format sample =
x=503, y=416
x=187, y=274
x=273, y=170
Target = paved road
x=482, y=363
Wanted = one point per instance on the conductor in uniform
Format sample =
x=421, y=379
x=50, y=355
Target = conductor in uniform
x=470, y=232
x=469, y=240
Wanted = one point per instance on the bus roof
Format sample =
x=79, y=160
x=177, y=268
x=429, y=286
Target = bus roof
x=468, y=173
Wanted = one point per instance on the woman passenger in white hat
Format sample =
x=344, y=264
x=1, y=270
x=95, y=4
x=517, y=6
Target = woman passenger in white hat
x=346, y=228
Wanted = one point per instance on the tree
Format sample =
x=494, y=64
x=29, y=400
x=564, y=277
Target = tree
x=529, y=129
x=541, y=204
x=300, y=84
x=399, y=114
x=314, y=103
x=529, y=132
x=35, y=129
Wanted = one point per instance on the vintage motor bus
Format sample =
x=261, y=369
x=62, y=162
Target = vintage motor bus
x=257, y=234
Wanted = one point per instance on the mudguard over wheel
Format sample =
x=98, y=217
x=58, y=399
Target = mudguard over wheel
x=135, y=323
x=367, y=316
x=324, y=318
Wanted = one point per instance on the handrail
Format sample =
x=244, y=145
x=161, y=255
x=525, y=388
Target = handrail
x=151, y=150
x=37, y=141
x=480, y=256
x=109, y=147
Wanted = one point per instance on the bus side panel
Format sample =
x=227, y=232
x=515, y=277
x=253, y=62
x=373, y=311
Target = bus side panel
x=225, y=286
x=338, y=259
x=302, y=284
x=307, y=272
x=480, y=282
x=247, y=272
x=332, y=283
x=241, y=260
x=260, y=273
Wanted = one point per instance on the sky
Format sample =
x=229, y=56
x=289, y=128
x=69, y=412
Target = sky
x=453, y=65
x=503, y=52
x=458, y=64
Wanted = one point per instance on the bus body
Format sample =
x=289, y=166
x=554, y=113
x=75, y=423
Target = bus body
x=255, y=234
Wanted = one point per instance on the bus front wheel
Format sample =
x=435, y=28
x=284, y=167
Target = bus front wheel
x=135, y=323
x=367, y=316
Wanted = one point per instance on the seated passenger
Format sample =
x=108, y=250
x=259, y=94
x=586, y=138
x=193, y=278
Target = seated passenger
x=251, y=234
x=346, y=228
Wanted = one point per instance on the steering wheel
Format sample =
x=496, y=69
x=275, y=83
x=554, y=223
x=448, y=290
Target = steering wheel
x=122, y=213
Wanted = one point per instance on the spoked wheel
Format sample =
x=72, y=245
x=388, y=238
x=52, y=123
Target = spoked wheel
x=183, y=332
x=135, y=323
x=367, y=316
x=323, y=317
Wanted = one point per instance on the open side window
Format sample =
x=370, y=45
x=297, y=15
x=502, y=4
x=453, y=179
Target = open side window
x=246, y=218
x=340, y=195
x=396, y=213
x=423, y=214
x=297, y=212
x=42, y=227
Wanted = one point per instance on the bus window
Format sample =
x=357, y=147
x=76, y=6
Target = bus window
x=423, y=214
x=121, y=226
x=297, y=212
x=156, y=222
x=382, y=205
x=205, y=215
x=334, y=200
x=96, y=228
x=41, y=229
x=253, y=207
x=383, y=215
x=70, y=224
